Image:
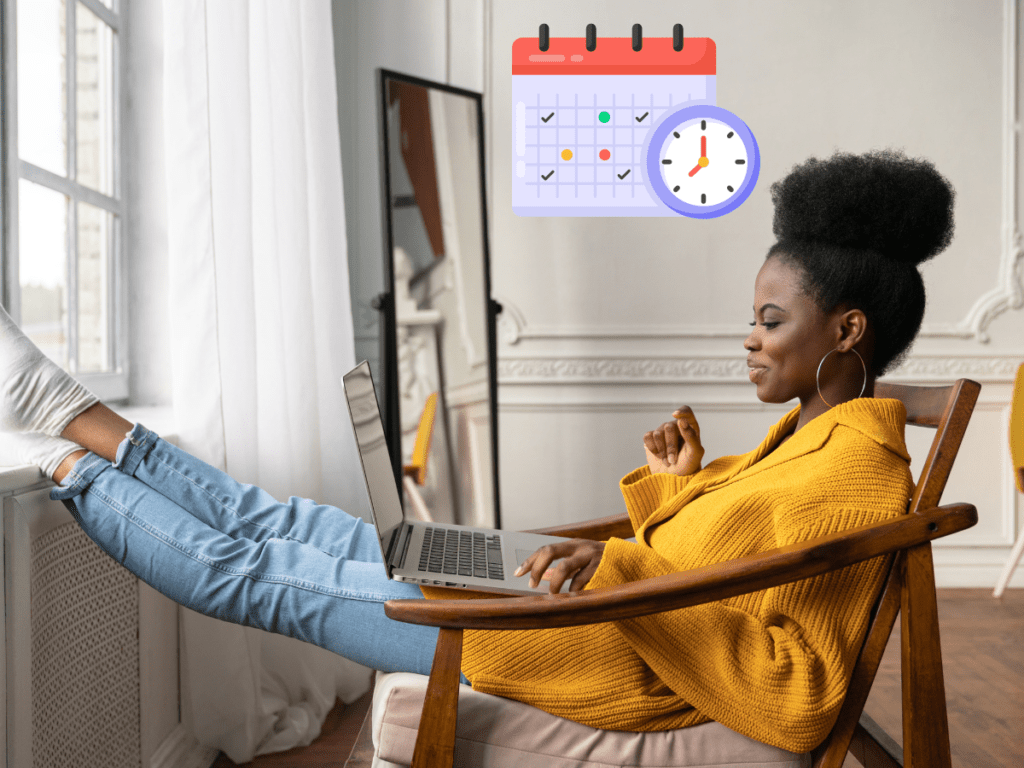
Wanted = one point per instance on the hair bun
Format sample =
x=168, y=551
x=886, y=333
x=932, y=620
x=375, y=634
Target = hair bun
x=883, y=201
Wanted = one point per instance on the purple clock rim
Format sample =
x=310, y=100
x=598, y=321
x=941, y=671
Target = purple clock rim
x=660, y=190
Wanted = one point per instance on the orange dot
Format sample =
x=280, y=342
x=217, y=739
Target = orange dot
x=604, y=154
x=567, y=154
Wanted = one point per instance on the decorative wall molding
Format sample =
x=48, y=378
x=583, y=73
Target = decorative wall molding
x=947, y=367
x=710, y=369
x=561, y=370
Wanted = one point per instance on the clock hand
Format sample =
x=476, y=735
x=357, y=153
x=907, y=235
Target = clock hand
x=703, y=146
x=696, y=168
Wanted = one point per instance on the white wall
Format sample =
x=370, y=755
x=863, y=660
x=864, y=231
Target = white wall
x=611, y=323
x=149, y=380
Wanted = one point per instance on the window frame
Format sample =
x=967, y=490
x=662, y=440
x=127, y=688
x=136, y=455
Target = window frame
x=111, y=385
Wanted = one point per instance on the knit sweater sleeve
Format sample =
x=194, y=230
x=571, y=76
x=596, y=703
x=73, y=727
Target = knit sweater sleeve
x=645, y=492
x=779, y=673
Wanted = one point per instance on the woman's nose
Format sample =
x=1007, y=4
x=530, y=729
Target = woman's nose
x=751, y=343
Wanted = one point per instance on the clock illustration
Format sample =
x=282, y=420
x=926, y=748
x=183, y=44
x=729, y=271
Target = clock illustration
x=702, y=161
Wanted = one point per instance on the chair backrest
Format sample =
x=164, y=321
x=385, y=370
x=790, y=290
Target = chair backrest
x=417, y=468
x=948, y=411
x=1017, y=428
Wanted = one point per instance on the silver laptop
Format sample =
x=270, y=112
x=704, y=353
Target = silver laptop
x=434, y=554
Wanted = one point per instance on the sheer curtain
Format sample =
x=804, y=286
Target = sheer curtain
x=261, y=323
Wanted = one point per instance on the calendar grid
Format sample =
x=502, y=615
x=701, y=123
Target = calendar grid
x=634, y=144
x=556, y=114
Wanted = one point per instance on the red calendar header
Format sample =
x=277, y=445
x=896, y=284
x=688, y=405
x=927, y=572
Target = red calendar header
x=613, y=56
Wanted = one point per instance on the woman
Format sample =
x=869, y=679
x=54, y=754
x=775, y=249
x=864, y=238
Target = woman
x=836, y=303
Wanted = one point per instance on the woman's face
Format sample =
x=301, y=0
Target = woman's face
x=790, y=335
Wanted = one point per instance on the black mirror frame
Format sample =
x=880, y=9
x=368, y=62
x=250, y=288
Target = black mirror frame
x=386, y=304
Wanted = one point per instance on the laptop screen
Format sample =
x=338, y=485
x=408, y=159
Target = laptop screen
x=378, y=473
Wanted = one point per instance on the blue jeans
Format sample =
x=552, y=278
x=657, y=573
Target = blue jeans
x=231, y=551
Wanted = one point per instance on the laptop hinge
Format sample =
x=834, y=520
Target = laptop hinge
x=400, y=545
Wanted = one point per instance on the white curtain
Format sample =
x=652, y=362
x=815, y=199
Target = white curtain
x=261, y=324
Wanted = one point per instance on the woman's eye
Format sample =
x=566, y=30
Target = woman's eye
x=769, y=326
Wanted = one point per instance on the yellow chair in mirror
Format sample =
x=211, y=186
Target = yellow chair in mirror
x=1017, y=458
x=415, y=473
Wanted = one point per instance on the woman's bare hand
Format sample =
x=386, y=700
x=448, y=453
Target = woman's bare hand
x=578, y=558
x=675, y=447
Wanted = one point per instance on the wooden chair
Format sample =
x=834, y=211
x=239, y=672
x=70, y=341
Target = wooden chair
x=1017, y=457
x=909, y=590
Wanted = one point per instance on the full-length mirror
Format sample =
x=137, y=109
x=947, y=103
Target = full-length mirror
x=438, y=332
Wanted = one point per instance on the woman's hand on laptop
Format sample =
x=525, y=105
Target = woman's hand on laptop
x=578, y=559
x=675, y=446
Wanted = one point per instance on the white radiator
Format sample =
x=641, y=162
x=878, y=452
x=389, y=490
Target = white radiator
x=72, y=644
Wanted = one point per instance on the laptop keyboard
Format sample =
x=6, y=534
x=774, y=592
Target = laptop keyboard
x=461, y=553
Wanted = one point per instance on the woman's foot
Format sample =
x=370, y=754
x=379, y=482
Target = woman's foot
x=35, y=394
x=47, y=453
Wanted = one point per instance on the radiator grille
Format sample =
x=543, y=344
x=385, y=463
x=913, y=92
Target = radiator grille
x=85, y=655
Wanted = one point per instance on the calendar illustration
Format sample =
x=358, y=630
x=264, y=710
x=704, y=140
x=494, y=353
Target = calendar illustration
x=624, y=127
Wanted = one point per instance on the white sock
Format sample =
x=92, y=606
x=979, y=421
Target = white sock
x=35, y=394
x=17, y=448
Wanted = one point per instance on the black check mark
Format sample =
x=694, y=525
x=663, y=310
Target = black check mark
x=623, y=175
x=552, y=173
x=545, y=119
x=641, y=118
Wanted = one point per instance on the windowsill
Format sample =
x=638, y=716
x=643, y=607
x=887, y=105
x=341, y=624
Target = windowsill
x=17, y=479
x=160, y=419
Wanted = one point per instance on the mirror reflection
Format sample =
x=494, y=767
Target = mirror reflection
x=443, y=345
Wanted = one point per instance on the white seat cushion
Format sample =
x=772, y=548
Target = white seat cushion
x=493, y=731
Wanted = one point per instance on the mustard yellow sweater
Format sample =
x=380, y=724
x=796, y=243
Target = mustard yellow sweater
x=773, y=665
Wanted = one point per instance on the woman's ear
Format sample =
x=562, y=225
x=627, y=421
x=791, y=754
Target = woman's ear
x=853, y=325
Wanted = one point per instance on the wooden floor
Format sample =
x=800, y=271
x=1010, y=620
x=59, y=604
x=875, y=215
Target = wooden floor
x=983, y=666
x=983, y=658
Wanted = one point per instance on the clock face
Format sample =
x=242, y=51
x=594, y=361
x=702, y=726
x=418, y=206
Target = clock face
x=702, y=161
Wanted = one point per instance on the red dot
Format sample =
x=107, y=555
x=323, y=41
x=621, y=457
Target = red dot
x=605, y=154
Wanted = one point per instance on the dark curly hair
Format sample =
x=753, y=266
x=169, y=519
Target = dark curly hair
x=858, y=226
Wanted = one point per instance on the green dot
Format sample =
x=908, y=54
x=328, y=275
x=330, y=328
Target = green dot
x=604, y=117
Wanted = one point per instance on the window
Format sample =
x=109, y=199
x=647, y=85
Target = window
x=63, y=204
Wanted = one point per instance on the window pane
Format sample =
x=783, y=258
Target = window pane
x=42, y=131
x=95, y=230
x=42, y=268
x=94, y=102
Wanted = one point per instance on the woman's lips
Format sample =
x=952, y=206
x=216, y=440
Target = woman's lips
x=756, y=372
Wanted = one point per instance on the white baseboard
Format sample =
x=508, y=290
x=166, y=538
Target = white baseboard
x=181, y=750
x=975, y=577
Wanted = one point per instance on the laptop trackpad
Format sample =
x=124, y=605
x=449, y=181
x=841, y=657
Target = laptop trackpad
x=522, y=554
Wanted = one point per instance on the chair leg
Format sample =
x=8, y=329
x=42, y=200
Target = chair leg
x=925, y=727
x=1011, y=566
x=435, y=739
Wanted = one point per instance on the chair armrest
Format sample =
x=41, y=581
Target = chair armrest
x=700, y=585
x=601, y=529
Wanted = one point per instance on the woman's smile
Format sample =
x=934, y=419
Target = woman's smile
x=756, y=372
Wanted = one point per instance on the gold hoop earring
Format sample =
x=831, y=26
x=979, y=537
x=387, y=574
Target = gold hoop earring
x=817, y=376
